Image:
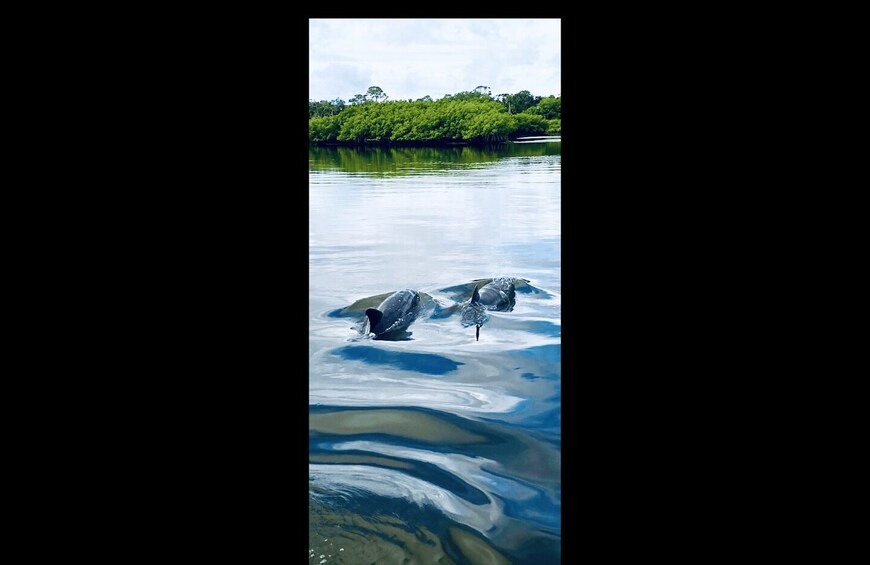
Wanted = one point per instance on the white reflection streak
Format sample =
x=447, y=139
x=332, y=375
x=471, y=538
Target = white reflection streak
x=470, y=469
x=405, y=392
x=387, y=482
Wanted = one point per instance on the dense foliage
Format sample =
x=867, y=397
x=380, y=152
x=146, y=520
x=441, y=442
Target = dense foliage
x=466, y=117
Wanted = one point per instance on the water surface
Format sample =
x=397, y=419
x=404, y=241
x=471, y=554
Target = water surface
x=435, y=447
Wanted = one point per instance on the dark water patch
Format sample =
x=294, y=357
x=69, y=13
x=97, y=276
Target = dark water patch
x=541, y=327
x=552, y=352
x=544, y=426
x=448, y=481
x=524, y=501
x=549, y=419
x=541, y=549
x=421, y=362
x=534, y=377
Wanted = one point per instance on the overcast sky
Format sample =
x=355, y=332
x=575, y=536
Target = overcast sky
x=412, y=58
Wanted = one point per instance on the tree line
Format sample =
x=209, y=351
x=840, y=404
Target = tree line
x=475, y=117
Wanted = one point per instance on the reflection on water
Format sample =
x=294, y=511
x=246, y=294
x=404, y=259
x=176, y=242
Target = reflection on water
x=435, y=447
x=418, y=160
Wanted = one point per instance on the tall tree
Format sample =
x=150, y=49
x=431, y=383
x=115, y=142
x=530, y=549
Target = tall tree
x=375, y=93
x=522, y=101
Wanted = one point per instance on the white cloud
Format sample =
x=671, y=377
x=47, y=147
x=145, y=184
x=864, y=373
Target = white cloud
x=412, y=58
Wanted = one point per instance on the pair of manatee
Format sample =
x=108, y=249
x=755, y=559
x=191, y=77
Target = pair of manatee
x=396, y=311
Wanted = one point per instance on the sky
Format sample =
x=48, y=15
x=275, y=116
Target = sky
x=412, y=58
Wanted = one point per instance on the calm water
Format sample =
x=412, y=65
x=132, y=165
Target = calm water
x=436, y=447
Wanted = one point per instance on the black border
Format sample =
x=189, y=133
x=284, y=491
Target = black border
x=191, y=271
x=196, y=276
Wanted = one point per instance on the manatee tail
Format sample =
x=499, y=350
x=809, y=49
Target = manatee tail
x=475, y=296
x=374, y=316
